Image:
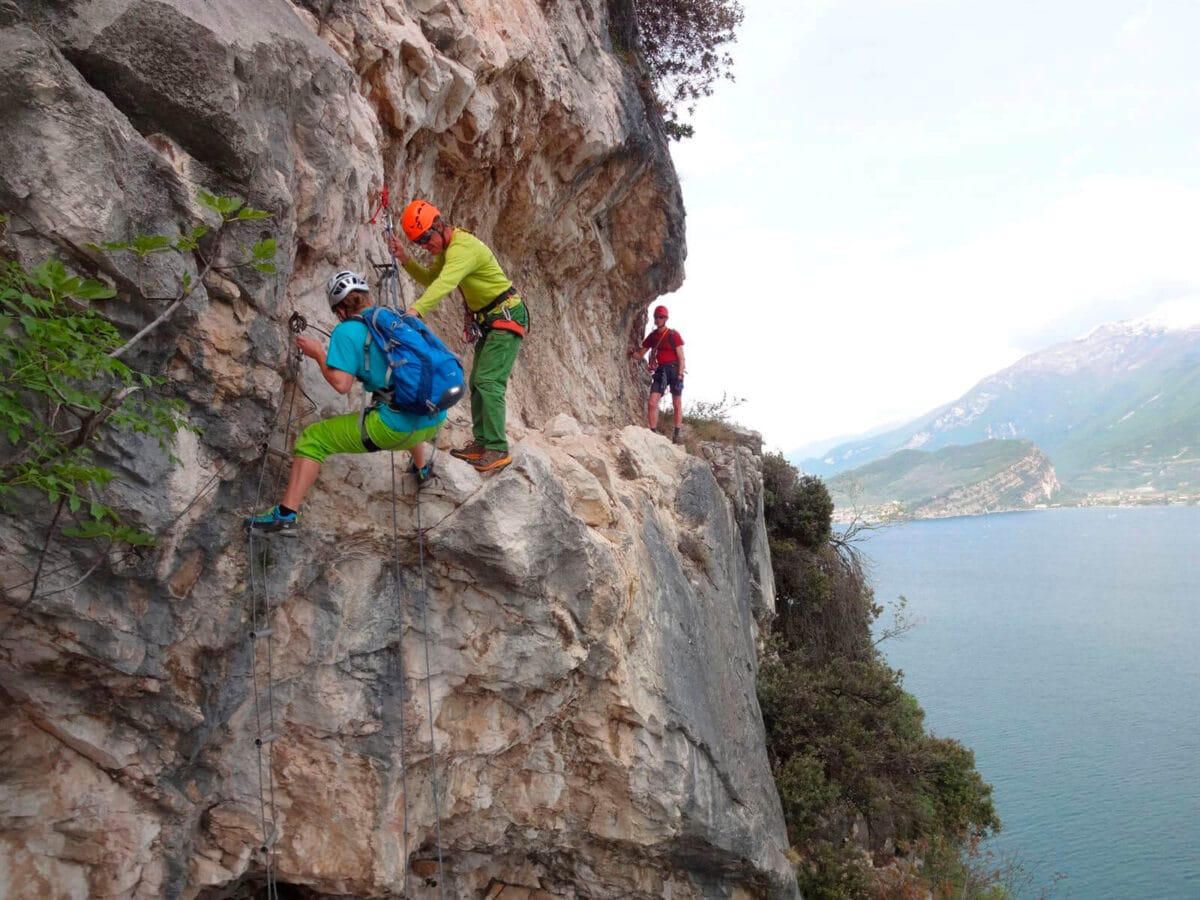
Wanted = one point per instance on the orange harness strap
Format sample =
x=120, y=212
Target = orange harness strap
x=502, y=324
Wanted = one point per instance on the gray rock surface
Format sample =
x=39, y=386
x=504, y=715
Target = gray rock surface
x=592, y=612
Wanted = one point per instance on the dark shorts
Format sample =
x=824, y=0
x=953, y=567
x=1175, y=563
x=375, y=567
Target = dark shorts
x=667, y=375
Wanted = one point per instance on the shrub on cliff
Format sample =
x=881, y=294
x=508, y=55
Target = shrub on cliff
x=854, y=767
x=798, y=507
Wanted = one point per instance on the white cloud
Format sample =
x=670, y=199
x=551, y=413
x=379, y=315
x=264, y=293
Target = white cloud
x=898, y=199
x=1183, y=312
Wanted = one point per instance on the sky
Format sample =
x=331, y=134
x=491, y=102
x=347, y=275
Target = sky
x=897, y=198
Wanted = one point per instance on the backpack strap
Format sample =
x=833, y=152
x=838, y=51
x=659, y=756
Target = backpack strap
x=366, y=343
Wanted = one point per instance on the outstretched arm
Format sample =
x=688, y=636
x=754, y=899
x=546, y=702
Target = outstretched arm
x=340, y=381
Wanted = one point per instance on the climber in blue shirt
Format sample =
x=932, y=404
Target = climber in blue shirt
x=378, y=427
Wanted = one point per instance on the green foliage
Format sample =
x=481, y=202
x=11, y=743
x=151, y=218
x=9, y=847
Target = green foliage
x=846, y=742
x=66, y=388
x=261, y=255
x=64, y=392
x=827, y=872
x=797, y=508
x=230, y=211
x=680, y=42
x=706, y=420
x=806, y=793
x=824, y=606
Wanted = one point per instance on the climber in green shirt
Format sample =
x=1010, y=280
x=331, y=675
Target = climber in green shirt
x=495, y=310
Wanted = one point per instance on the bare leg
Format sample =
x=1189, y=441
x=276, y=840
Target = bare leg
x=652, y=411
x=418, y=454
x=300, y=479
x=677, y=400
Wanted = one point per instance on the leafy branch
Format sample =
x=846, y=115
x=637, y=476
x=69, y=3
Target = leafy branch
x=230, y=210
x=66, y=388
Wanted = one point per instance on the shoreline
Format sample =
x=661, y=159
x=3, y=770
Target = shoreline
x=889, y=514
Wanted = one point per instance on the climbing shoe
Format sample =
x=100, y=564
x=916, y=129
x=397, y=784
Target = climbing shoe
x=422, y=474
x=470, y=453
x=675, y=437
x=491, y=460
x=271, y=522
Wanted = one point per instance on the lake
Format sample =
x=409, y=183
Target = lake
x=1063, y=647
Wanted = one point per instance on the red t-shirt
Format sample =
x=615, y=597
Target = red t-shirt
x=666, y=345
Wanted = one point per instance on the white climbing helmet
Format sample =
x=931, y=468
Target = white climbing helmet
x=343, y=284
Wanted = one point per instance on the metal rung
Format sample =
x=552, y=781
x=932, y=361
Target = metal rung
x=262, y=632
x=270, y=841
x=265, y=739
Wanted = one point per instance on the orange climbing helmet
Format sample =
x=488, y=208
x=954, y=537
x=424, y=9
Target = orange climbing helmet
x=418, y=218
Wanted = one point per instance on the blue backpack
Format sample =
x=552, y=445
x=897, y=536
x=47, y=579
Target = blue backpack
x=424, y=377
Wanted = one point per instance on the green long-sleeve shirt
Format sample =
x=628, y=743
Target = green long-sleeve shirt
x=468, y=264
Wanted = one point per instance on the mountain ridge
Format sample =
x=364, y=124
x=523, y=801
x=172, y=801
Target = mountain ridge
x=1114, y=410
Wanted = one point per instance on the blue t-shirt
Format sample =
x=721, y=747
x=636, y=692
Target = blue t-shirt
x=346, y=354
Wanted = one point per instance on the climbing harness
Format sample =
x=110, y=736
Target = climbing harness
x=486, y=322
x=652, y=361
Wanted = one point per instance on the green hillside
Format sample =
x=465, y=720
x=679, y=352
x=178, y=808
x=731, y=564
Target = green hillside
x=920, y=480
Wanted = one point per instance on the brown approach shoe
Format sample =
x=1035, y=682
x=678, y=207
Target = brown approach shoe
x=491, y=461
x=470, y=453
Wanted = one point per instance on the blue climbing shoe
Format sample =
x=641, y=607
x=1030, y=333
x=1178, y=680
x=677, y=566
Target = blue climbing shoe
x=271, y=522
x=422, y=474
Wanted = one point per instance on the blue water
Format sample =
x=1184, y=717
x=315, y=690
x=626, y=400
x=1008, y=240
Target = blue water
x=1063, y=646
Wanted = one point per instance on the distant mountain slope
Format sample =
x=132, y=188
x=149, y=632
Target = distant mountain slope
x=1116, y=409
x=988, y=476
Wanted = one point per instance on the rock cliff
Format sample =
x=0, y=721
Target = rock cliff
x=972, y=480
x=1028, y=482
x=589, y=617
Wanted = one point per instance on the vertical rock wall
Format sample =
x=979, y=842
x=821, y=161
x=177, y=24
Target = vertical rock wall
x=591, y=611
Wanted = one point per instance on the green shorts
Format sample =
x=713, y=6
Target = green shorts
x=341, y=434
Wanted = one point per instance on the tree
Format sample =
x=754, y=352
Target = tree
x=680, y=42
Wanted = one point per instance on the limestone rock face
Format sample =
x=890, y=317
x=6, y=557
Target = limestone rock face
x=588, y=617
x=1028, y=482
x=592, y=653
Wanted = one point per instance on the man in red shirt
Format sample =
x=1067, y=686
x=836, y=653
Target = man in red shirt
x=667, y=364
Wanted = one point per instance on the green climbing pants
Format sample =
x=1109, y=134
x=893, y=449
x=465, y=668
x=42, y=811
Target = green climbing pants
x=341, y=435
x=495, y=354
